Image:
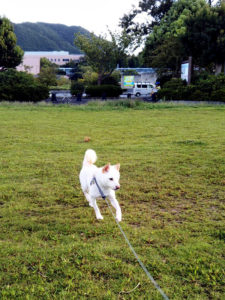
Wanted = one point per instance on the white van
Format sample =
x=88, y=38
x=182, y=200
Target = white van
x=142, y=89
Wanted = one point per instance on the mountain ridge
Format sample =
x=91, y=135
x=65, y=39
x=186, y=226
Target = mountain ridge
x=42, y=36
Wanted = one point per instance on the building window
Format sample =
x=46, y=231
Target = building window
x=66, y=59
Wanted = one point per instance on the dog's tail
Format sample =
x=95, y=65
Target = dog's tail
x=90, y=157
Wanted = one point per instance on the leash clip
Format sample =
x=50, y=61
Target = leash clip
x=92, y=181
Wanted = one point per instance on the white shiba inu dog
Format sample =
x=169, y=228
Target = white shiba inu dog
x=107, y=178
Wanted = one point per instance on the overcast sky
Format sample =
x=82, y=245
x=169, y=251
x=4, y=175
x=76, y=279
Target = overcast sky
x=93, y=15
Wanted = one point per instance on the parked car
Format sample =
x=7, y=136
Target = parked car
x=140, y=89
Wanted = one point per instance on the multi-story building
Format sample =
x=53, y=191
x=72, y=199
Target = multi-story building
x=31, y=59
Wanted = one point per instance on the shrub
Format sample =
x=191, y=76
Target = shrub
x=198, y=95
x=106, y=90
x=62, y=81
x=20, y=86
x=77, y=88
x=175, y=83
x=205, y=86
x=172, y=90
x=163, y=79
x=188, y=91
x=218, y=95
x=210, y=88
x=47, y=76
x=165, y=94
x=110, y=80
x=199, y=75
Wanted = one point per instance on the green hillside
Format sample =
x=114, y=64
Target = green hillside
x=47, y=37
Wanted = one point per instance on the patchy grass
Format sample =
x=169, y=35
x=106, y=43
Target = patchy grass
x=172, y=197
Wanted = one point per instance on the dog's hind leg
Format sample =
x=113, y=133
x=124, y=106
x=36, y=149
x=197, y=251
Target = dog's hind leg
x=97, y=211
x=116, y=205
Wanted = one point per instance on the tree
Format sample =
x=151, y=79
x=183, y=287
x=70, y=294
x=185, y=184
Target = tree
x=21, y=86
x=47, y=75
x=155, y=10
x=45, y=63
x=204, y=38
x=163, y=47
x=140, y=22
x=102, y=55
x=10, y=54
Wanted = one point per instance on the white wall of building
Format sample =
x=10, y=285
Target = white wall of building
x=31, y=59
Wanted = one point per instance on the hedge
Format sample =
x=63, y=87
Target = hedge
x=104, y=90
x=76, y=88
x=212, y=88
x=20, y=86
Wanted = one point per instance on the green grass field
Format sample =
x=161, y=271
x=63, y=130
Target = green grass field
x=172, y=198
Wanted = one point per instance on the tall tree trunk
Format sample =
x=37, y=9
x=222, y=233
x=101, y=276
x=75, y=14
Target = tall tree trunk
x=99, y=79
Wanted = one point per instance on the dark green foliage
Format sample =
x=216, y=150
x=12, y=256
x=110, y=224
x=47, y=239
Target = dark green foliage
x=20, y=86
x=101, y=55
x=175, y=83
x=197, y=76
x=110, y=80
x=163, y=78
x=10, y=54
x=163, y=47
x=77, y=88
x=47, y=76
x=204, y=36
x=212, y=88
x=189, y=28
x=218, y=95
x=172, y=89
x=47, y=37
x=104, y=90
x=198, y=95
x=154, y=9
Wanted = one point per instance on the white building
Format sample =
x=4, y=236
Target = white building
x=31, y=59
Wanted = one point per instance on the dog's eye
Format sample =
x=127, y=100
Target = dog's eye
x=111, y=179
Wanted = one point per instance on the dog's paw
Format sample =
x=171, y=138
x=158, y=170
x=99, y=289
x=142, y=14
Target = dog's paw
x=99, y=217
x=119, y=219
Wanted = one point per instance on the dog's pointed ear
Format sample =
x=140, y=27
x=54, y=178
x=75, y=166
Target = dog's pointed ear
x=117, y=166
x=106, y=168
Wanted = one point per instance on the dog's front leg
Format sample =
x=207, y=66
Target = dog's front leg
x=116, y=205
x=97, y=211
x=88, y=198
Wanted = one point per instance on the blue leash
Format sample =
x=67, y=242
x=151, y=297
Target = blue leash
x=129, y=244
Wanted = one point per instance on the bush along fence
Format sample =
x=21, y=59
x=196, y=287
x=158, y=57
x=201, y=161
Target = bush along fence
x=20, y=86
x=105, y=90
x=210, y=89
